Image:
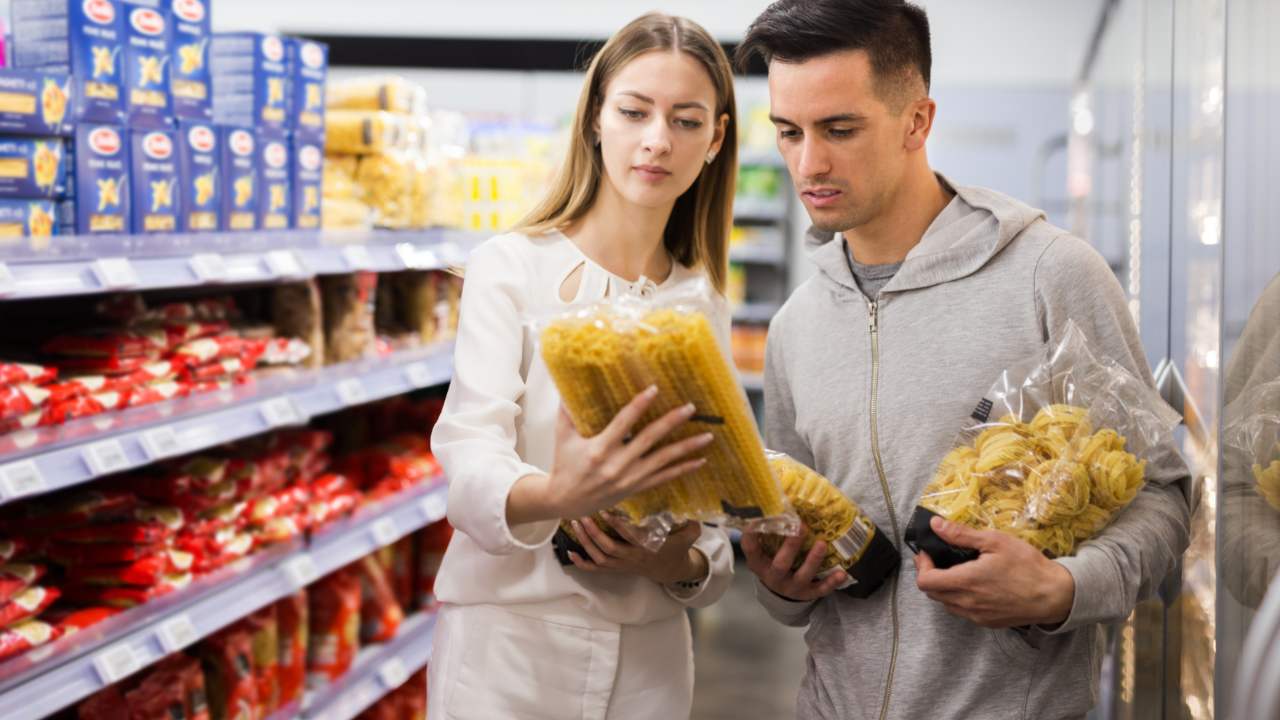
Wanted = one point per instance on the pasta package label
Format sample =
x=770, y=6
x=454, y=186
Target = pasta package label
x=308, y=176
x=251, y=74
x=239, y=155
x=192, y=83
x=157, y=202
x=308, y=68
x=35, y=103
x=80, y=38
x=32, y=167
x=148, y=46
x=101, y=185
x=199, y=168
x=275, y=198
x=27, y=218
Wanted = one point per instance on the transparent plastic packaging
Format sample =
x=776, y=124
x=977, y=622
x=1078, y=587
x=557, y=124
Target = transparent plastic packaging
x=1251, y=439
x=1054, y=451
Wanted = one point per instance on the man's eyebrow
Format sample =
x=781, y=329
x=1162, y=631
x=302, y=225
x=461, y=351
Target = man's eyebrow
x=677, y=106
x=829, y=120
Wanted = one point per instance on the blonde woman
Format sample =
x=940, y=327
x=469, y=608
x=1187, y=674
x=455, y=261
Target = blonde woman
x=642, y=205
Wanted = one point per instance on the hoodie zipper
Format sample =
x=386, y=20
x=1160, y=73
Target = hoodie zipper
x=873, y=310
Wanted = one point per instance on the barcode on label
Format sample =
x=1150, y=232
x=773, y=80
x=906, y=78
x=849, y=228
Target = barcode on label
x=115, y=273
x=115, y=663
x=351, y=391
x=419, y=375
x=357, y=257
x=106, y=457
x=21, y=479
x=433, y=506
x=161, y=442
x=209, y=267
x=385, y=531
x=177, y=633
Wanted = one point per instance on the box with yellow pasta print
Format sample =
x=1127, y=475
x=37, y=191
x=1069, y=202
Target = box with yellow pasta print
x=148, y=46
x=27, y=218
x=250, y=74
x=308, y=179
x=239, y=154
x=198, y=171
x=83, y=38
x=98, y=180
x=189, y=65
x=32, y=167
x=157, y=204
x=33, y=102
x=308, y=68
x=275, y=197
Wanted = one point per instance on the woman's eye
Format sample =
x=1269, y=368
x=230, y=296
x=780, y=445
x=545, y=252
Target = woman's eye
x=689, y=124
x=631, y=114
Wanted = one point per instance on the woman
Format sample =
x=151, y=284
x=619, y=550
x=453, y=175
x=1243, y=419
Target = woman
x=642, y=204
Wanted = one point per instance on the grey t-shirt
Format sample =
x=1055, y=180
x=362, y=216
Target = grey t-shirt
x=870, y=278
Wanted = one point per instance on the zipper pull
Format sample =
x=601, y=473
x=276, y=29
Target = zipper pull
x=871, y=310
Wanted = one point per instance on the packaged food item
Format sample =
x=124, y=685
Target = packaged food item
x=250, y=73
x=11, y=549
x=77, y=407
x=292, y=626
x=28, y=218
x=296, y=311
x=124, y=596
x=285, y=351
x=308, y=67
x=16, y=577
x=70, y=622
x=338, y=213
x=108, y=343
x=192, y=84
x=106, y=704
x=334, y=610
x=1067, y=452
x=348, y=315
x=157, y=202
x=148, y=46
x=35, y=102
x=100, y=188
x=240, y=169
x=400, y=570
x=84, y=39
x=18, y=400
x=193, y=685
x=275, y=198
x=145, y=572
x=380, y=613
x=137, y=533
x=73, y=554
x=1251, y=445
x=24, y=636
x=433, y=540
x=27, y=604
x=161, y=693
x=386, y=92
x=308, y=174
x=32, y=167
x=362, y=132
x=199, y=164
x=602, y=356
x=264, y=631
x=13, y=373
x=384, y=180
x=227, y=659
x=208, y=349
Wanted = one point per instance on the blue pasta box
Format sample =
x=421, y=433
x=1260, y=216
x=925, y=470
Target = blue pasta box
x=147, y=56
x=35, y=102
x=32, y=167
x=98, y=185
x=191, y=81
x=239, y=155
x=157, y=204
x=249, y=71
x=27, y=218
x=83, y=38
x=308, y=177
x=198, y=168
x=308, y=68
x=274, y=199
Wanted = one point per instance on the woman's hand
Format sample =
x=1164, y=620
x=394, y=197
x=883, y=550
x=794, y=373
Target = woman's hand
x=591, y=474
x=674, y=562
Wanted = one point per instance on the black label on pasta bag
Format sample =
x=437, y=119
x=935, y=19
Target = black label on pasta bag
x=983, y=411
x=746, y=513
x=708, y=419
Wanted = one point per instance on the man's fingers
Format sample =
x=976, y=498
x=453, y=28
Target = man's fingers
x=785, y=558
x=830, y=583
x=964, y=536
x=812, y=562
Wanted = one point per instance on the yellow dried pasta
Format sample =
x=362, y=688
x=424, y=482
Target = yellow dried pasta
x=1268, y=480
x=825, y=511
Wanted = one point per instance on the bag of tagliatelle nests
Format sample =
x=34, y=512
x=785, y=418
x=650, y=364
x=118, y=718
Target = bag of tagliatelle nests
x=603, y=354
x=1054, y=451
x=1251, y=444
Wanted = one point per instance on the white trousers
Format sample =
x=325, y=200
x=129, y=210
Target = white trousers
x=488, y=663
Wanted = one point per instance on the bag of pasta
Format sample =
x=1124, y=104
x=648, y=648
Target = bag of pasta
x=854, y=543
x=1055, y=450
x=1251, y=444
x=602, y=355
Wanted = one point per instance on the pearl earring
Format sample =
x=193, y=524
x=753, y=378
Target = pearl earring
x=710, y=157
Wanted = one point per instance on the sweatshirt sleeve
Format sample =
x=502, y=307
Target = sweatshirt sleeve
x=1129, y=559
x=475, y=437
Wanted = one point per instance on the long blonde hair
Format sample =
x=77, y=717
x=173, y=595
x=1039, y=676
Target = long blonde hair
x=697, y=233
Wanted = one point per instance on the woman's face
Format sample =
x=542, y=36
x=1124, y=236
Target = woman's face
x=657, y=125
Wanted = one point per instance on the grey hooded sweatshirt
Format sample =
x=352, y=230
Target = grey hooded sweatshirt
x=872, y=394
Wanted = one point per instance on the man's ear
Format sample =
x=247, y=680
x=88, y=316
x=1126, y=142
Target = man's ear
x=919, y=123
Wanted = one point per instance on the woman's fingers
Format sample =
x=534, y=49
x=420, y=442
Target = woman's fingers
x=628, y=416
x=640, y=483
x=597, y=555
x=654, y=433
x=668, y=455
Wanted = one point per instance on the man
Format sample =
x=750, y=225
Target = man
x=925, y=292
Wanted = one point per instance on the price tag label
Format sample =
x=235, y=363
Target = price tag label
x=21, y=479
x=357, y=257
x=106, y=457
x=177, y=633
x=209, y=267
x=301, y=571
x=351, y=392
x=284, y=263
x=7, y=284
x=115, y=273
x=162, y=442
x=434, y=506
x=280, y=412
x=408, y=255
x=116, y=663
x=385, y=531
x=419, y=375
x=393, y=673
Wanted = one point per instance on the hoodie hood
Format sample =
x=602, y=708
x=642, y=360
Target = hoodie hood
x=971, y=230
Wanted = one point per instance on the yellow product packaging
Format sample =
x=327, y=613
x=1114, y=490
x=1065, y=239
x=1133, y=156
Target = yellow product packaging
x=361, y=132
x=384, y=181
x=386, y=92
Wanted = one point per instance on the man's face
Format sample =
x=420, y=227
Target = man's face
x=842, y=144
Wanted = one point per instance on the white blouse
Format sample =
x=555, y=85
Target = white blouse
x=498, y=425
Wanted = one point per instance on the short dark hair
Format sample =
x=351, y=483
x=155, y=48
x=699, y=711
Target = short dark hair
x=894, y=33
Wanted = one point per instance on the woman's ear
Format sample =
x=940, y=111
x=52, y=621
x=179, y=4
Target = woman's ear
x=717, y=140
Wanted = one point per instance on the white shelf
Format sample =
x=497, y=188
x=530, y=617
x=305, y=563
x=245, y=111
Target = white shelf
x=757, y=313
x=772, y=210
x=758, y=253
x=761, y=158
x=59, y=675
x=38, y=461
x=377, y=670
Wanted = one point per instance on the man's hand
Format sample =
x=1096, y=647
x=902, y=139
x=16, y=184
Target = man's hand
x=1009, y=585
x=775, y=572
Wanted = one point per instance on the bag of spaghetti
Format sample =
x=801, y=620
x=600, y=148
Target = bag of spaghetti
x=1054, y=451
x=601, y=355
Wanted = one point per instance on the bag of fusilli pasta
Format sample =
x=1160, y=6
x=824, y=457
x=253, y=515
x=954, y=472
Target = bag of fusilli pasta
x=1054, y=450
x=602, y=355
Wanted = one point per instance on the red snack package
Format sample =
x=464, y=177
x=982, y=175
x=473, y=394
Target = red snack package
x=10, y=549
x=278, y=530
x=156, y=392
x=70, y=622
x=334, y=608
x=76, y=554
x=204, y=350
x=285, y=351
x=323, y=512
x=106, y=365
x=77, y=407
x=183, y=332
x=160, y=695
x=16, y=400
x=216, y=370
x=264, y=630
x=108, y=344
x=415, y=707
x=291, y=621
x=16, y=577
x=25, y=636
x=145, y=572
x=433, y=540
x=219, y=551
x=280, y=503
x=227, y=658
x=18, y=373
x=401, y=571
x=139, y=533
x=106, y=704
x=126, y=597
x=201, y=471
x=27, y=604
x=194, y=687
x=380, y=614
x=330, y=484
x=64, y=511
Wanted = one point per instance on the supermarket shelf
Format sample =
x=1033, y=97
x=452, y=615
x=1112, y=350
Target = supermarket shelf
x=39, y=461
x=77, y=265
x=752, y=382
x=377, y=670
x=759, y=210
x=141, y=637
x=761, y=158
x=288, y=712
x=759, y=253
x=755, y=312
